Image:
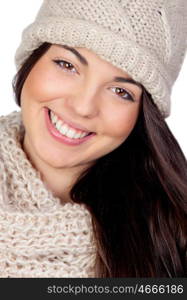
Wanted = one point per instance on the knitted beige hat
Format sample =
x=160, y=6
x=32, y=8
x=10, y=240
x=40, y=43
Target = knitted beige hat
x=145, y=38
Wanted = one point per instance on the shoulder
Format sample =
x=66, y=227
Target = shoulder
x=10, y=133
x=10, y=126
x=12, y=118
x=11, y=129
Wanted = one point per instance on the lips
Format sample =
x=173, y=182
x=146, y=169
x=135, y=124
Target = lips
x=57, y=135
x=70, y=124
x=65, y=129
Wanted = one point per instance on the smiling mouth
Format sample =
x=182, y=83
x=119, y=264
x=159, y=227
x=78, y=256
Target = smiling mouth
x=65, y=129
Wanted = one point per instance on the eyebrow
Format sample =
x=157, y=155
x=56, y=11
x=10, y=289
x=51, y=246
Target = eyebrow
x=83, y=60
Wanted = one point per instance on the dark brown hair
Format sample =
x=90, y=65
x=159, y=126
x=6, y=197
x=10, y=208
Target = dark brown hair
x=137, y=195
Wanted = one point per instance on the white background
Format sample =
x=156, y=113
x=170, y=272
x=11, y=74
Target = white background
x=16, y=15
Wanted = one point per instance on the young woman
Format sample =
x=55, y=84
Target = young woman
x=93, y=183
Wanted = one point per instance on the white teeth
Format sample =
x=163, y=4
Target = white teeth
x=65, y=129
x=70, y=133
x=77, y=135
x=83, y=134
x=53, y=117
x=58, y=124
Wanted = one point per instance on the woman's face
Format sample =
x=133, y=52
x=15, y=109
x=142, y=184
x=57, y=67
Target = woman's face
x=75, y=109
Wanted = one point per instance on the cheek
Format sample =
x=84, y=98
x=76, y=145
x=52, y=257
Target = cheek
x=41, y=86
x=122, y=120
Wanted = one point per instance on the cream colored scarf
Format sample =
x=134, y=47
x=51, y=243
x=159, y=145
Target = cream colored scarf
x=39, y=236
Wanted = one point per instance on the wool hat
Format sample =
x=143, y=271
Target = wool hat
x=145, y=38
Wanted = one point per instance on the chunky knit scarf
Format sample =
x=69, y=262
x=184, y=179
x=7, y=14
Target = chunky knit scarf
x=39, y=236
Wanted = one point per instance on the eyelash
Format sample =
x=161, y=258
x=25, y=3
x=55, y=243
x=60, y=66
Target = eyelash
x=61, y=64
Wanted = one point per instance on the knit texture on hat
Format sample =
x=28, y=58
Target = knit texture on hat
x=145, y=38
x=39, y=236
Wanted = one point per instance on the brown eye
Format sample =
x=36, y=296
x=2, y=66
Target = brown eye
x=122, y=93
x=67, y=66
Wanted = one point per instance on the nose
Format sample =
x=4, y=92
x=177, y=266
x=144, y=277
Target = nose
x=84, y=101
